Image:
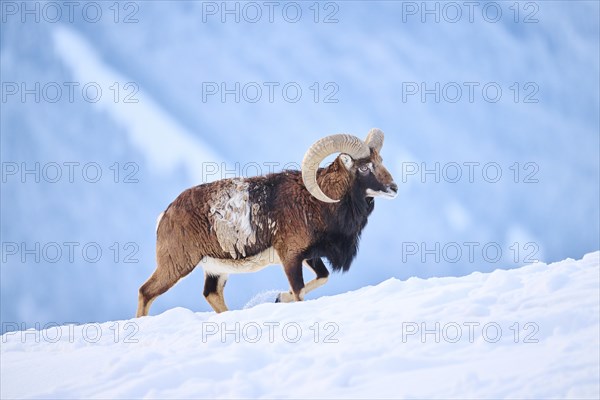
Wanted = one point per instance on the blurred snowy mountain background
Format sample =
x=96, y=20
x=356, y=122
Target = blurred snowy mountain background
x=361, y=65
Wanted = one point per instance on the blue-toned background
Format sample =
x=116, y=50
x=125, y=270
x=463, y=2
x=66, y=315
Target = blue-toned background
x=544, y=56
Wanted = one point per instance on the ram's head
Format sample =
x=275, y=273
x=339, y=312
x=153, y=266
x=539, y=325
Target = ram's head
x=360, y=158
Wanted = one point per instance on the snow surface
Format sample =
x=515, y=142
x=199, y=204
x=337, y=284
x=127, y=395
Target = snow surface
x=370, y=344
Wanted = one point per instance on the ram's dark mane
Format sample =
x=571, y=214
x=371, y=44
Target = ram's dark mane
x=339, y=242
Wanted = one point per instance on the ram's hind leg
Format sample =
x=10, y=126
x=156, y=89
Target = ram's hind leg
x=166, y=275
x=213, y=291
x=158, y=283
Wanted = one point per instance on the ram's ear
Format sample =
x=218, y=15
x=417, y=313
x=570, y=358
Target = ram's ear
x=346, y=160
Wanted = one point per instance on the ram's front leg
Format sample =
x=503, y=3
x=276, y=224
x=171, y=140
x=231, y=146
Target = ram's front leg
x=316, y=264
x=293, y=271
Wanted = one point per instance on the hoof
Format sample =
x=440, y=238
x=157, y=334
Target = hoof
x=284, y=297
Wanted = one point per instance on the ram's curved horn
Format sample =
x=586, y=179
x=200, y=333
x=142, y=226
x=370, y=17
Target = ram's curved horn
x=375, y=139
x=340, y=143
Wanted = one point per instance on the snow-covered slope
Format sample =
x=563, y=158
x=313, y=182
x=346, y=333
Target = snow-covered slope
x=531, y=332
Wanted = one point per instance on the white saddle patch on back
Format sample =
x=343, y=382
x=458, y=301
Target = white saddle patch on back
x=230, y=213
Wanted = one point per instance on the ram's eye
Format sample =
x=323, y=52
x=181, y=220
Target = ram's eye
x=363, y=169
